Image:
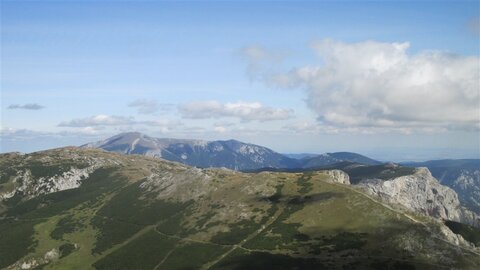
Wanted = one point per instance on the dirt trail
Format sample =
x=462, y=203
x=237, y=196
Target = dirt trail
x=165, y=258
x=249, y=237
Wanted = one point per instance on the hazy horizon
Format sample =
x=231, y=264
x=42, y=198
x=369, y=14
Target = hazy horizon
x=386, y=155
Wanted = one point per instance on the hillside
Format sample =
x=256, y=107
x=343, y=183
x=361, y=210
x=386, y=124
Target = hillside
x=75, y=208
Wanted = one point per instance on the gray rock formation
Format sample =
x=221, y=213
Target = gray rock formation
x=338, y=176
x=462, y=175
x=422, y=193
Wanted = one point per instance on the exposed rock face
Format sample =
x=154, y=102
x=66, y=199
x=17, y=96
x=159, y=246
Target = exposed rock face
x=338, y=176
x=422, y=193
x=33, y=263
x=32, y=187
x=28, y=176
x=462, y=175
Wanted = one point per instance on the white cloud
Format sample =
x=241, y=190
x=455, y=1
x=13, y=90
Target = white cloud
x=245, y=111
x=145, y=106
x=7, y=133
x=14, y=134
x=220, y=129
x=223, y=124
x=112, y=123
x=98, y=120
x=28, y=106
x=378, y=85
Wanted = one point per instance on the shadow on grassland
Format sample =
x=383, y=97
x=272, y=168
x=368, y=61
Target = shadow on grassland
x=301, y=200
x=265, y=260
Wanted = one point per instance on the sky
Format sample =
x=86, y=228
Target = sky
x=395, y=80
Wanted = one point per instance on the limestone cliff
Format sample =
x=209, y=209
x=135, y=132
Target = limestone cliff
x=421, y=193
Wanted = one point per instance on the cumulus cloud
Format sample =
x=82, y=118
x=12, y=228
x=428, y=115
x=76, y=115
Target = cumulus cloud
x=378, y=85
x=28, y=106
x=145, y=106
x=95, y=123
x=245, y=111
x=98, y=120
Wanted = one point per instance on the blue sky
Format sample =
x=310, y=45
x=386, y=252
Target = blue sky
x=289, y=75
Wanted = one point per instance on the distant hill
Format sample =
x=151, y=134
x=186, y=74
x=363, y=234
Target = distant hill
x=230, y=154
x=301, y=155
x=333, y=158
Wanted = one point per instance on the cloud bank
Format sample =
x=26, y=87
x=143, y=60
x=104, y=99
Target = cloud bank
x=104, y=122
x=28, y=106
x=378, y=85
x=145, y=106
x=98, y=120
x=245, y=111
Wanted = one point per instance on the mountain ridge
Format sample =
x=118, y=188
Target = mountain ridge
x=219, y=153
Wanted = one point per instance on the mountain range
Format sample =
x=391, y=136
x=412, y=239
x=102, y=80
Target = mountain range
x=463, y=176
x=231, y=154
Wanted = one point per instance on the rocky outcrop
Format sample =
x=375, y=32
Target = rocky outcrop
x=421, y=193
x=338, y=176
x=30, y=187
x=462, y=175
x=185, y=183
x=34, y=262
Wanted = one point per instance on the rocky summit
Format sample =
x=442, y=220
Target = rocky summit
x=84, y=208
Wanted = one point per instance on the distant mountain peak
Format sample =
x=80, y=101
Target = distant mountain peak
x=231, y=153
